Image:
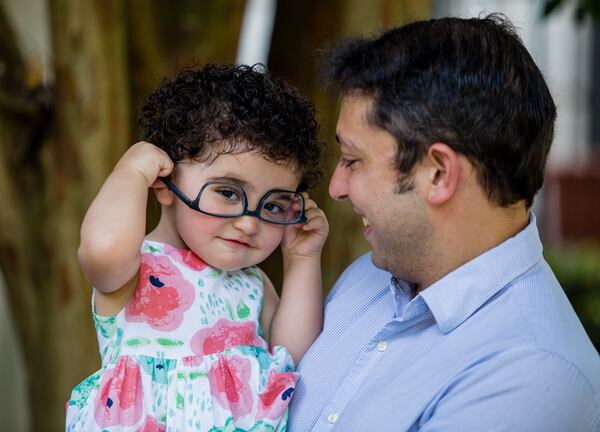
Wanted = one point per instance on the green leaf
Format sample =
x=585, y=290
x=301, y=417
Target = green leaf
x=196, y=375
x=242, y=310
x=169, y=342
x=136, y=342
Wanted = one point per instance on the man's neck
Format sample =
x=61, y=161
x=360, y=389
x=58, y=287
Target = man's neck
x=471, y=237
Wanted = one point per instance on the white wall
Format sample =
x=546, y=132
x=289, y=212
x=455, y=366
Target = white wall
x=30, y=22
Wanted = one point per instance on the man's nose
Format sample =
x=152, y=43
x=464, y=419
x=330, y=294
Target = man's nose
x=338, y=185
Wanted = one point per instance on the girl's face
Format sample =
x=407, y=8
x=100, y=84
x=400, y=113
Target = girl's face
x=231, y=243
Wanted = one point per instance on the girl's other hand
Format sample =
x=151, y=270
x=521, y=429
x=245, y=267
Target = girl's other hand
x=146, y=159
x=306, y=240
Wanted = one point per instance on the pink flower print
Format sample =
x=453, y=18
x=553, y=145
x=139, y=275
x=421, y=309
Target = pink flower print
x=276, y=397
x=162, y=294
x=151, y=425
x=119, y=401
x=226, y=334
x=185, y=257
x=229, y=385
x=191, y=361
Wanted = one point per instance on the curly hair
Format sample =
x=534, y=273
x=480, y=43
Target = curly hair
x=205, y=112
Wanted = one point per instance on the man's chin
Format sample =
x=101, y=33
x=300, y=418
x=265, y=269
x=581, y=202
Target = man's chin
x=378, y=260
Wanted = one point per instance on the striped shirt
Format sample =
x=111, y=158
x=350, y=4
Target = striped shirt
x=494, y=345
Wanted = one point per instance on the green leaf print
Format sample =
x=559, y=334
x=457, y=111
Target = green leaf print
x=153, y=249
x=82, y=390
x=107, y=326
x=179, y=401
x=257, y=275
x=196, y=375
x=137, y=342
x=261, y=426
x=242, y=310
x=169, y=342
x=215, y=272
x=230, y=311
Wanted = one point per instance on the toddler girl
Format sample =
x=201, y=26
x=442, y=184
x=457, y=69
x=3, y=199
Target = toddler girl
x=192, y=333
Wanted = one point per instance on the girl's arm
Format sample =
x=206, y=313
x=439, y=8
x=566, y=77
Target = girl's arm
x=298, y=318
x=114, y=226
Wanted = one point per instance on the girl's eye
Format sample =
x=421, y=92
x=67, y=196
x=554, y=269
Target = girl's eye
x=274, y=208
x=229, y=194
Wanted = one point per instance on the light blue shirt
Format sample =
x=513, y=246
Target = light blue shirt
x=493, y=346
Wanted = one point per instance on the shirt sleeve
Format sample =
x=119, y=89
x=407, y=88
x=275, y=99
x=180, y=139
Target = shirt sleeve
x=530, y=390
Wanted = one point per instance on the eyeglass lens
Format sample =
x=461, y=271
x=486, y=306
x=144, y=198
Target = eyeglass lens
x=228, y=200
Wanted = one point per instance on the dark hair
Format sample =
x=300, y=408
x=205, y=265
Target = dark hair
x=469, y=83
x=217, y=109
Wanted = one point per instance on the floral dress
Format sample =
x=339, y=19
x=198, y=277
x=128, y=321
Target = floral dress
x=185, y=354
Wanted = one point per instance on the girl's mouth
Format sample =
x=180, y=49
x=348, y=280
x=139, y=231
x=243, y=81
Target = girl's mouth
x=236, y=243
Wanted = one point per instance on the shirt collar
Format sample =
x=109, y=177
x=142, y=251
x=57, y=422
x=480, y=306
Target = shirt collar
x=456, y=296
x=402, y=293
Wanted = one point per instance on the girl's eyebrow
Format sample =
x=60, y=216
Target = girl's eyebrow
x=232, y=179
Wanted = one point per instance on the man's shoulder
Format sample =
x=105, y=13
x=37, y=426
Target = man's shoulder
x=551, y=322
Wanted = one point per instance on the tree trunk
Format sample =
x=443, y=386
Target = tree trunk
x=107, y=56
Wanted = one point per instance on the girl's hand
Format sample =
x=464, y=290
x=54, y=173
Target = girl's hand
x=146, y=159
x=306, y=240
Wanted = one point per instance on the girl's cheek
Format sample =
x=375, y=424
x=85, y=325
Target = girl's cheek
x=275, y=236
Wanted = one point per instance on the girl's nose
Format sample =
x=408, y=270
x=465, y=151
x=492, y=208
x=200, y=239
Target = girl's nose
x=338, y=185
x=247, y=224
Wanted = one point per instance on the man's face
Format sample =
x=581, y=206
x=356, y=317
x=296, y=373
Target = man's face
x=396, y=224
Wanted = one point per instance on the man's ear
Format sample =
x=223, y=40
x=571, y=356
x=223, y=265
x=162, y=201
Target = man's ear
x=443, y=173
x=163, y=194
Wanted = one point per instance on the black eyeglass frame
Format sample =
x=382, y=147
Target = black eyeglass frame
x=193, y=204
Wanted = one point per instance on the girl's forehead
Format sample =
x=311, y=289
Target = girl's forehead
x=252, y=169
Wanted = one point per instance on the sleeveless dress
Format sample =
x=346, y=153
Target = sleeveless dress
x=185, y=354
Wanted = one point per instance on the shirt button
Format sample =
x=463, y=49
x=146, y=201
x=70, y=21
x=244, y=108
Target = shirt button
x=332, y=417
x=382, y=345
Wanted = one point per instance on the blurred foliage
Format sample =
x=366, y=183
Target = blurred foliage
x=583, y=8
x=578, y=270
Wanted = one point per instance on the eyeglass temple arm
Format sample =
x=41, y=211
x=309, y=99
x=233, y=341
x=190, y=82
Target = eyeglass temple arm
x=169, y=184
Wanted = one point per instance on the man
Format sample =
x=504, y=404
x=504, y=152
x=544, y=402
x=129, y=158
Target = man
x=454, y=321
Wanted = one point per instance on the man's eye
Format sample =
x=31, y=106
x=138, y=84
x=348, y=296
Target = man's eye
x=347, y=162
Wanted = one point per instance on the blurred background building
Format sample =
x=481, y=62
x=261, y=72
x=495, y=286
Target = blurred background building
x=73, y=74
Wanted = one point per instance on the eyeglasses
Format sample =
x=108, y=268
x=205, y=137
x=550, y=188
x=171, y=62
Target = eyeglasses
x=229, y=200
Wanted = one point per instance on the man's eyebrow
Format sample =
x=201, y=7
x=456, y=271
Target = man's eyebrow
x=232, y=179
x=345, y=142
